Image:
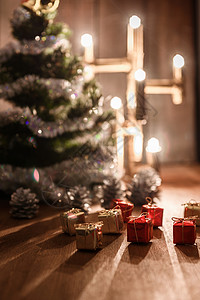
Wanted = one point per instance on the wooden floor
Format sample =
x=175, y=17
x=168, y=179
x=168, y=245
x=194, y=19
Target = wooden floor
x=38, y=262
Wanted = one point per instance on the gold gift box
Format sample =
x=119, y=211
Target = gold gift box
x=192, y=208
x=89, y=235
x=70, y=218
x=112, y=220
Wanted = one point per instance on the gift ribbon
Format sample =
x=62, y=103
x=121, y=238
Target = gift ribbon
x=182, y=220
x=149, y=201
x=112, y=213
x=135, y=218
x=192, y=203
x=123, y=211
x=88, y=227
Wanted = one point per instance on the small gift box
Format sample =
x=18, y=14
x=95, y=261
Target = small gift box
x=192, y=208
x=70, y=218
x=126, y=208
x=89, y=235
x=112, y=220
x=153, y=212
x=139, y=229
x=184, y=230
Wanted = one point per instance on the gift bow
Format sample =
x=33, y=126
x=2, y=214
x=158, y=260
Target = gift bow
x=74, y=211
x=123, y=211
x=144, y=214
x=192, y=202
x=181, y=220
x=192, y=218
x=149, y=201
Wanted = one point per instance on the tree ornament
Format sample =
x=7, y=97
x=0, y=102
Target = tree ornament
x=79, y=197
x=144, y=184
x=111, y=190
x=45, y=6
x=24, y=204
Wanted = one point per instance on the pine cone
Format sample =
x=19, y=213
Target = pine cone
x=111, y=190
x=144, y=184
x=79, y=197
x=23, y=204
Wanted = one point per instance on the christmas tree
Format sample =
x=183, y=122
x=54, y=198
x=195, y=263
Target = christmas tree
x=57, y=125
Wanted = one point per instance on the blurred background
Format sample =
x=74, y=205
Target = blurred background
x=170, y=27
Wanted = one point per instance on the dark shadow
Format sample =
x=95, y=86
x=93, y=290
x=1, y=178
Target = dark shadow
x=136, y=253
x=58, y=241
x=157, y=233
x=77, y=261
x=187, y=253
x=109, y=239
x=198, y=231
x=22, y=236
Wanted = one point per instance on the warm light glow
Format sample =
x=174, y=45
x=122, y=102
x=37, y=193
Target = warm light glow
x=36, y=175
x=137, y=147
x=86, y=40
x=88, y=73
x=116, y=103
x=178, y=61
x=131, y=130
x=135, y=22
x=140, y=75
x=153, y=145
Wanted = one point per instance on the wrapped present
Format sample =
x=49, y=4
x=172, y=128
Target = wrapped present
x=139, y=229
x=89, y=235
x=154, y=212
x=126, y=208
x=184, y=230
x=192, y=208
x=112, y=220
x=70, y=218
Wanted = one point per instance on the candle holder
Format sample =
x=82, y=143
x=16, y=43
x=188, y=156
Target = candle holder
x=137, y=87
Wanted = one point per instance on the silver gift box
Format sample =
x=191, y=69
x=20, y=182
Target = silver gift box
x=89, y=235
x=112, y=220
x=70, y=218
x=192, y=208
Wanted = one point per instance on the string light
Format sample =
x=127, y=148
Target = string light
x=153, y=145
x=116, y=103
x=86, y=40
x=140, y=75
x=178, y=61
x=135, y=22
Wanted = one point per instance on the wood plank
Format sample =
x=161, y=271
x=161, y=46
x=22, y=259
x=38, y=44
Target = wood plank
x=38, y=261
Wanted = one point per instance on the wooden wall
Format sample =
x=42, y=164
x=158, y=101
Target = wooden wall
x=169, y=29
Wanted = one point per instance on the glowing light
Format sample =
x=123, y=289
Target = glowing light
x=73, y=96
x=88, y=73
x=178, y=61
x=39, y=131
x=153, y=145
x=116, y=103
x=140, y=75
x=59, y=194
x=36, y=175
x=135, y=22
x=86, y=40
x=132, y=130
x=137, y=147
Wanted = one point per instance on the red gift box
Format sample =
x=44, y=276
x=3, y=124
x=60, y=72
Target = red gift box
x=126, y=208
x=139, y=229
x=184, y=230
x=153, y=212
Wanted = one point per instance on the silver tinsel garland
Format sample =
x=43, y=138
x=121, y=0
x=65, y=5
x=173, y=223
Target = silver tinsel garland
x=50, y=183
x=46, y=129
x=35, y=47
